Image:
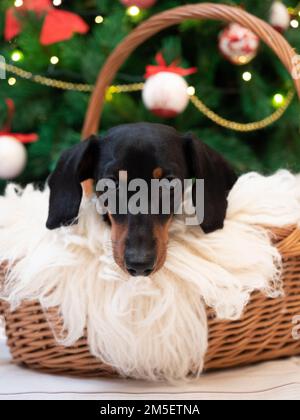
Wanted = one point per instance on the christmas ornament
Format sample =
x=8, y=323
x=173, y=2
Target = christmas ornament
x=165, y=91
x=58, y=26
x=142, y=4
x=279, y=16
x=13, y=155
x=238, y=44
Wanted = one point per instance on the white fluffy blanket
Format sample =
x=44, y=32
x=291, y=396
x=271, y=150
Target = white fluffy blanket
x=151, y=328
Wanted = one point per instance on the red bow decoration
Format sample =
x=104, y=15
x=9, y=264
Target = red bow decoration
x=22, y=138
x=172, y=68
x=58, y=26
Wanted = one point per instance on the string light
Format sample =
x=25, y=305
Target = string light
x=19, y=3
x=133, y=11
x=17, y=55
x=247, y=76
x=12, y=81
x=294, y=23
x=243, y=59
x=54, y=60
x=99, y=19
x=57, y=2
x=278, y=100
x=191, y=91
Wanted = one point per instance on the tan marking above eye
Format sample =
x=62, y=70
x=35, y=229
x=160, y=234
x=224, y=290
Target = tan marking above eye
x=157, y=173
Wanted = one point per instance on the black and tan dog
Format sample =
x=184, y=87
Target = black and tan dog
x=145, y=151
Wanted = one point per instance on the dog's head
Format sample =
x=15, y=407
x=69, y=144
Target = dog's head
x=142, y=151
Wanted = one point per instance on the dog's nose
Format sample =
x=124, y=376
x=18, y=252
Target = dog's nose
x=138, y=267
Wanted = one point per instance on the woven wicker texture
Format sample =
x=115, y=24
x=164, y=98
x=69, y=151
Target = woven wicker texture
x=265, y=331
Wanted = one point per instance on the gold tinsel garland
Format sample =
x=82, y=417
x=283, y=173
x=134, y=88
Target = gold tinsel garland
x=134, y=87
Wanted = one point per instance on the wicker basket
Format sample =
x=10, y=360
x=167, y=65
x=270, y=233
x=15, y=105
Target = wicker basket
x=264, y=332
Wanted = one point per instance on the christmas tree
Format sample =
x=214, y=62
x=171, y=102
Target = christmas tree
x=239, y=93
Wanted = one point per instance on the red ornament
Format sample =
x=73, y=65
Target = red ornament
x=143, y=4
x=58, y=26
x=238, y=44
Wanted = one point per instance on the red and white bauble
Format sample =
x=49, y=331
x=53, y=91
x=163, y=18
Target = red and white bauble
x=279, y=16
x=143, y=4
x=13, y=157
x=165, y=91
x=166, y=94
x=238, y=44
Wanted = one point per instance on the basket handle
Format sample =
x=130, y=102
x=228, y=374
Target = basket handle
x=164, y=20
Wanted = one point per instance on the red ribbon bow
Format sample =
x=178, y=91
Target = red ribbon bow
x=172, y=68
x=58, y=26
x=22, y=138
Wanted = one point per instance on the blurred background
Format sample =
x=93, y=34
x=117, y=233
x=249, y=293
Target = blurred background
x=72, y=47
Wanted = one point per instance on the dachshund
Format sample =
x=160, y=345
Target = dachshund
x=145, y=151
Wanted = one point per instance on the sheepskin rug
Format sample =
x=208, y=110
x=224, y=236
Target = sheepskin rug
x=151, y=328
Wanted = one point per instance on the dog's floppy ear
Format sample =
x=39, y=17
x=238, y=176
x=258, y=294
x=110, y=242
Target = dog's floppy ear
x=205, y=163
x=74, y=166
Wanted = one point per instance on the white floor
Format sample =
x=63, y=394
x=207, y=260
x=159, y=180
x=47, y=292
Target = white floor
x=275, y=380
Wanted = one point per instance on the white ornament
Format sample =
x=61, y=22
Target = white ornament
x=13, y=157
x=279, y=16
x=166, y=94
x=238, y=44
